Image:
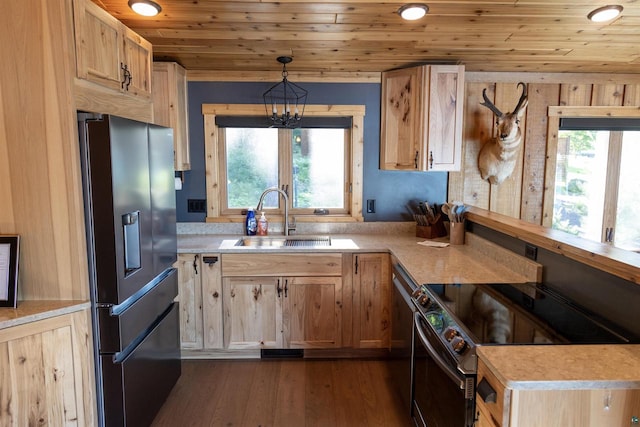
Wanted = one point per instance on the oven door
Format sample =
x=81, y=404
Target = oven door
x=442, y=396
x=402, y=314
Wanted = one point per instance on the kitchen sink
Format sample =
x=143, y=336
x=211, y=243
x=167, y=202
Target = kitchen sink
x=284, y=241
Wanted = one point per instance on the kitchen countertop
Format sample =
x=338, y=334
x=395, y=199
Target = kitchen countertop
x=564, y=367
x=451, y=264
x=32, y=311
x=517, y=367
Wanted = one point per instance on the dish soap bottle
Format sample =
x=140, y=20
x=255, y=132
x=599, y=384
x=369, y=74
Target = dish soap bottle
x=250, y=223
x=263, y=225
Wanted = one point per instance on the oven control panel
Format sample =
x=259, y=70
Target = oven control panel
x=434, y=313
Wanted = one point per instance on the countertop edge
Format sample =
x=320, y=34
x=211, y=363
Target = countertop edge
x=36, y=310
x=564, y=367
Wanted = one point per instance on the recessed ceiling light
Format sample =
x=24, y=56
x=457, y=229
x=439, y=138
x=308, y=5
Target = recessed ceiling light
x=605, y=13
x=145, y=7
x=413, y=11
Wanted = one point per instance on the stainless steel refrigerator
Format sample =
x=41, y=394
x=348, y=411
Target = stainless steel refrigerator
x=129, y=196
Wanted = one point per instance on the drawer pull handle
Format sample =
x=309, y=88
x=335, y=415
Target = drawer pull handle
x=210, y=259
x=486, y=392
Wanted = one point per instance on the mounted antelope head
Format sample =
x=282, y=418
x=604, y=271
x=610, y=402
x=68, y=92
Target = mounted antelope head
x=498, y=157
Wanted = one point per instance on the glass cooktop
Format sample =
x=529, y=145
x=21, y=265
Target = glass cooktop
x=524, y=314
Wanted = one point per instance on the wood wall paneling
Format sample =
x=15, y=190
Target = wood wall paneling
x=535, y=138
x=528, y=193
x=467, y=185
x=505, y=198
x=550, y=170
x=607, y=94
x=631, y=95
x=41, y=167
x=575, y=94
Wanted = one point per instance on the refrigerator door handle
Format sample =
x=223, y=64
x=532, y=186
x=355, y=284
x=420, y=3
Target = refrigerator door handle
x=132, y=249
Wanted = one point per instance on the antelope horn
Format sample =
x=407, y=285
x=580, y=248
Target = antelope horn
x=487, y=103
x=523, y=97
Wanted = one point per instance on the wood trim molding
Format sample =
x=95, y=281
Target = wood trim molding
x=274, y=76
x=212, y=160
x=560, y=78
x=586, y=111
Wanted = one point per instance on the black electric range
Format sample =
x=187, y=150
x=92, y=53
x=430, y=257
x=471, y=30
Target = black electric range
x=451, y=320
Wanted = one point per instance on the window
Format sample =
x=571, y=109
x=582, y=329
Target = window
x=596, y=190
x=311, y=163
x=320, y=164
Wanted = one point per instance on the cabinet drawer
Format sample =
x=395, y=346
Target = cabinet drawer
x=492, y=410
x=325, y=264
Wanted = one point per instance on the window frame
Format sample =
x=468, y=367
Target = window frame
x=555, y=113
x=215, y=157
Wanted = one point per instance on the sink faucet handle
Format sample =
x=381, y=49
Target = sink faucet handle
x=291, y=226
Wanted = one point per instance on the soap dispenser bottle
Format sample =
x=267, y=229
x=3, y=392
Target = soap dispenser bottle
x=263, y=225
x=250, y=223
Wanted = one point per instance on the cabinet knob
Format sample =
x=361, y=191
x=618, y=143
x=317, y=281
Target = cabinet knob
x=486, y=392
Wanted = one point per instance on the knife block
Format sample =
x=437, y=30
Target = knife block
x=432, y=231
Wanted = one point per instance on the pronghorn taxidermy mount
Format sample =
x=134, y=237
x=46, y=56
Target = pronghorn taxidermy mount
x=498, y=156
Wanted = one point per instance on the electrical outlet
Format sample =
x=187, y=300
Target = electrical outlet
x=531, y=251
x=197, y=205
x=371, y=205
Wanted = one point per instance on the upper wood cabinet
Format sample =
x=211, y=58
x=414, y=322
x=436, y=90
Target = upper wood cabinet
x=170, y=108
x=110, y=54
x=421, y=118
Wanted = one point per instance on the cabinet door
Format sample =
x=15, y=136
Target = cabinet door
x=212, y=302
x=371, y=300
x=138, y=57
x=190, y=298
x=312, y=312
x=252, y=312
x=47, y=373
x=402, y=119
x=444, y=141
x=98, y=40
x=170, y=107
x=584, y=408
x=483, y=419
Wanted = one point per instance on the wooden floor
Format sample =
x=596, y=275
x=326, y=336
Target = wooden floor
x=282, y=393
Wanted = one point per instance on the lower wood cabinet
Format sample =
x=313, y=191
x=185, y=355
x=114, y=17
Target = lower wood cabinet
x=371, y=275
x=555, y=406
x=200, y=298
x=284, y=301
x=46, y=373
x=282, y=312
x=252, y=312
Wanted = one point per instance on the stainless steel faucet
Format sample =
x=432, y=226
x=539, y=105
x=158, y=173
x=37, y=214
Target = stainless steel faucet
x=285, y=223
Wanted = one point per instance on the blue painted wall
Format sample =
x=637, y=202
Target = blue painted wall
x=391, y=190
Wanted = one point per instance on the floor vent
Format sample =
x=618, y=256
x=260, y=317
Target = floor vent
x=296, y=353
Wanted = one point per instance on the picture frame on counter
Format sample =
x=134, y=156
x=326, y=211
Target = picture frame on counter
x=9, y=257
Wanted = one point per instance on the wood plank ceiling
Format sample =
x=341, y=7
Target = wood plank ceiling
x=350, y=37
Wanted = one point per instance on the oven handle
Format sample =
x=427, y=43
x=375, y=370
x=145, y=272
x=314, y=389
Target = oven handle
x=436, y=357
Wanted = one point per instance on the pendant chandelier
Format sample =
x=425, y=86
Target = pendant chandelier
x=284, y=102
